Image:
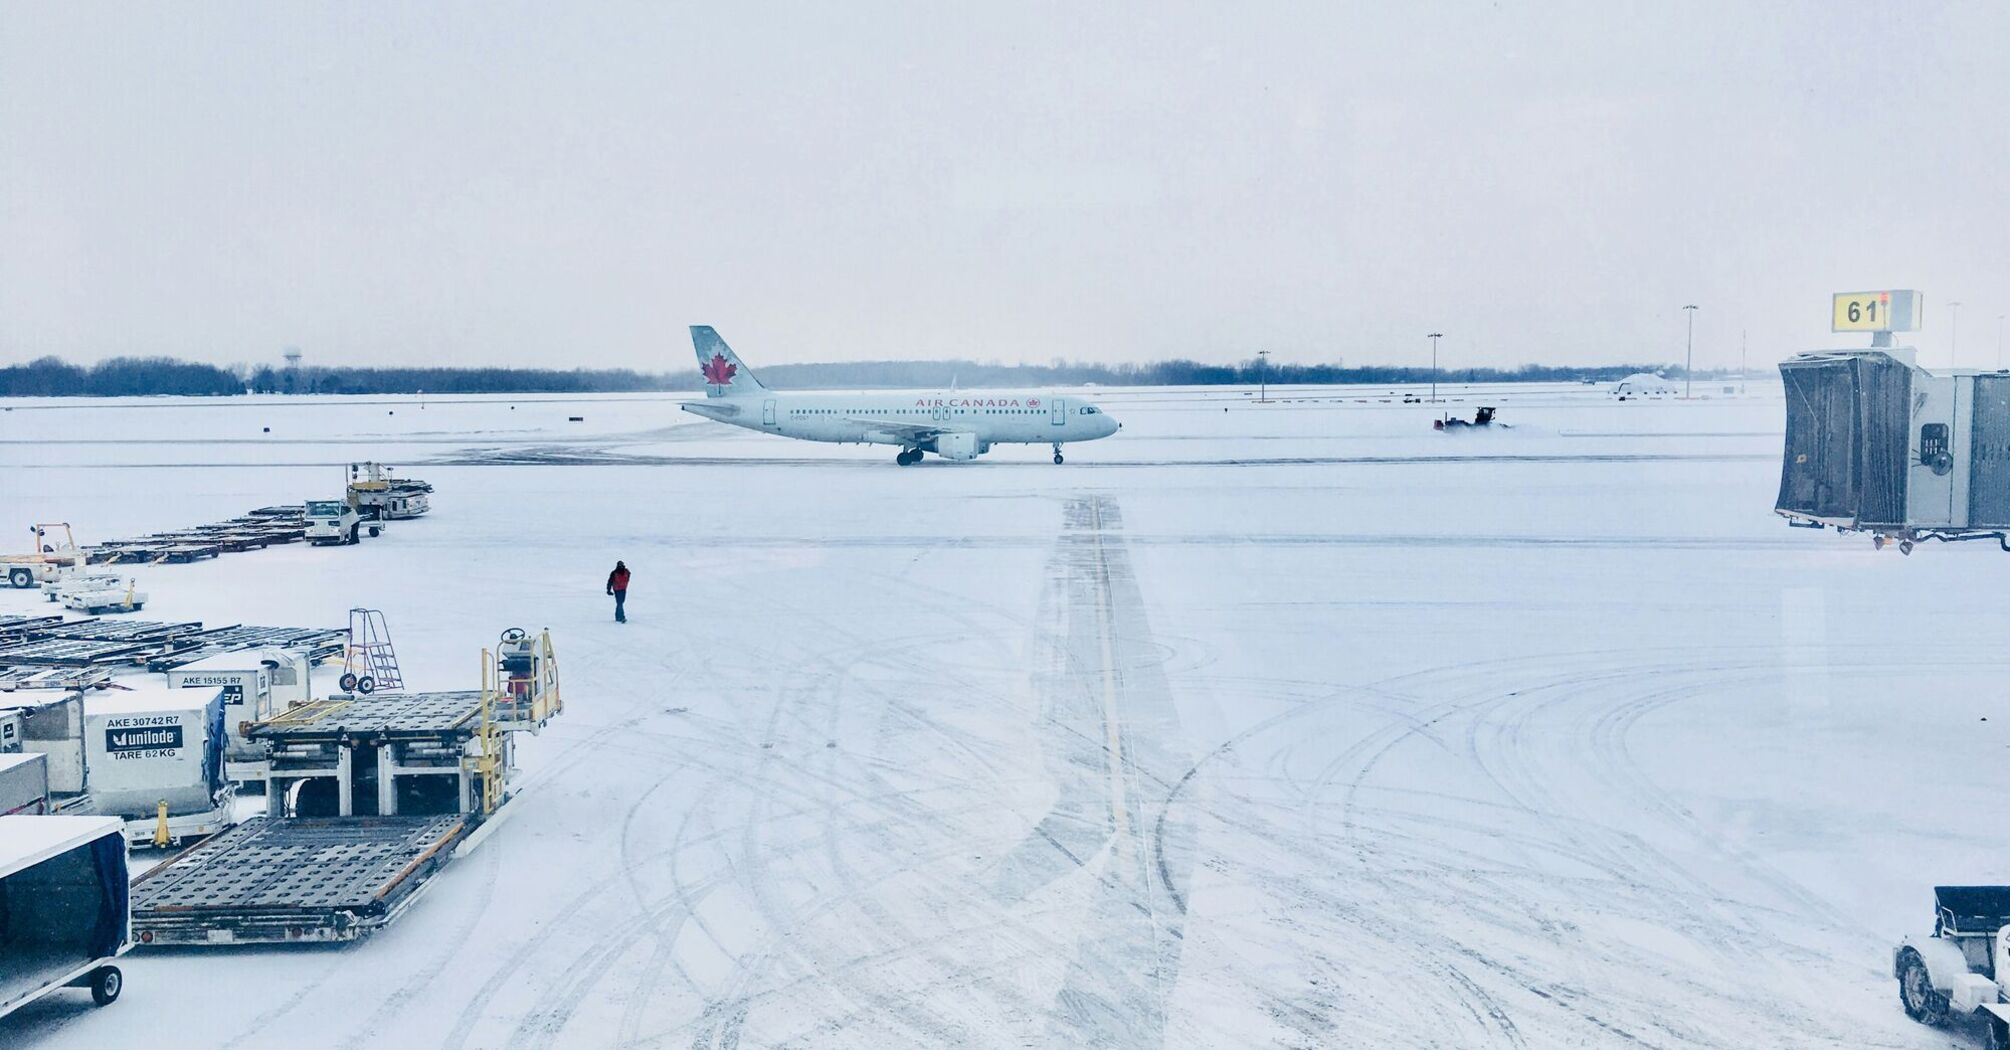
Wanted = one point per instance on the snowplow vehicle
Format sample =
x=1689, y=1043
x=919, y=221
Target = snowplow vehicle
x=1959, y=971
x=1483, y=418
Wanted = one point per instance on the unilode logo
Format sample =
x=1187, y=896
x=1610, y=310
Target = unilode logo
x=719, y=371
x=158, y=736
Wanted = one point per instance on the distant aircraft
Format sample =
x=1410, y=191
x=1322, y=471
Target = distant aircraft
x=959, y=425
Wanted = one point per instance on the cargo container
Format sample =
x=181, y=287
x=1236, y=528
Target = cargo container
x=24, y=783
x=156, y=745
x=256, y=684
x=52, y=722
x=67, y=916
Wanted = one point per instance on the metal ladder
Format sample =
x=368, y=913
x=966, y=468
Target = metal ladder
x=370, y=654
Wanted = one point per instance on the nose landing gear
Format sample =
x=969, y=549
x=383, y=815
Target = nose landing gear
x=1057, y=452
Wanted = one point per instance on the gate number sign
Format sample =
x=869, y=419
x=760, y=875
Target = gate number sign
x=1888, y=311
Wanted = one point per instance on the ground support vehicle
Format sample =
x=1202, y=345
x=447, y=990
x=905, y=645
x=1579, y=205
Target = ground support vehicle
x=82, y=579
x=99, y=597
x=371, y=794
x=53, y=553
x=1960, y=971
x=1482, y=418
x=64, y=881
x=380, y=497
x=336, y=521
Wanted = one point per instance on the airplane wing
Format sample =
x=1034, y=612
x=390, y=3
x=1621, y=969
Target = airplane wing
x=904, y=429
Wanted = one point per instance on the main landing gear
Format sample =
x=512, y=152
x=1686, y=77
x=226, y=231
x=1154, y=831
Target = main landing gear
x=908, y=457
x=1057, y=452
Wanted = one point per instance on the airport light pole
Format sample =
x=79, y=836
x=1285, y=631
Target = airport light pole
x=1263, y=377
x=1689, y=356
x=1434, y=337
x=1741, y=362
x=1999, y=342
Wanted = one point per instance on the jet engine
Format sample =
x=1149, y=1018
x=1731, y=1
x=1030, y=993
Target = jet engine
x=957, y=444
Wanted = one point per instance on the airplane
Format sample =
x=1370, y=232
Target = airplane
x=957, y=425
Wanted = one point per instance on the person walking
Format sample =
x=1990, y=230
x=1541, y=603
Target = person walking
x=617, y=585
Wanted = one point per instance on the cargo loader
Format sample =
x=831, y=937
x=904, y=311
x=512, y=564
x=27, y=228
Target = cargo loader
x=370, y=795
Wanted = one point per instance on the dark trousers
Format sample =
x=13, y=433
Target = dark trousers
x=620, y=599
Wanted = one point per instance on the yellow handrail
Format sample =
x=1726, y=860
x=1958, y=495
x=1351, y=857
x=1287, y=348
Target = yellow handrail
x=491, y=761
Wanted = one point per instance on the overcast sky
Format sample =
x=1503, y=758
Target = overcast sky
x=558, y=184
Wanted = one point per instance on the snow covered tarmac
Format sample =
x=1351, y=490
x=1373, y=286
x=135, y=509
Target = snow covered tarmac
x=1286, y=725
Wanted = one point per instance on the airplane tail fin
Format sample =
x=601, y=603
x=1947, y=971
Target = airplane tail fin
x=724, y=374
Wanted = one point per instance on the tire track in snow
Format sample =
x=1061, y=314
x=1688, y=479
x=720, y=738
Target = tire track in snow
x=729, y=1015
x=1107, y=674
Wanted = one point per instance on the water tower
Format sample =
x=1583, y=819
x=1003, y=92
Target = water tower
x=292, y=356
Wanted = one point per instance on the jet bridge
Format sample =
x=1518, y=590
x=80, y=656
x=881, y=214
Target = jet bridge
x=1876, y=444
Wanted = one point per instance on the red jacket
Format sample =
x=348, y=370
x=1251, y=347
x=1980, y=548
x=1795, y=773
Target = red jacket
x=617, y=580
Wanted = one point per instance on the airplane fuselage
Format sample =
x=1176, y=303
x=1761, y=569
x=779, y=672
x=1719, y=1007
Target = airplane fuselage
x=995, y=417
x=952, y=424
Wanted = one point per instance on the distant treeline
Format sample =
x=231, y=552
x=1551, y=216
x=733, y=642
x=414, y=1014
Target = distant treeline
x=49, y=377
x=868, y=374
x=117, y=377
x=313, y=380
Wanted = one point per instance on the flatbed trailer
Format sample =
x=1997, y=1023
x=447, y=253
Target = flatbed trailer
x=287, y=880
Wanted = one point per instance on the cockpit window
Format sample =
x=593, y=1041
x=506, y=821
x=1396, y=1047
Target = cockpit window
x=1089, y=410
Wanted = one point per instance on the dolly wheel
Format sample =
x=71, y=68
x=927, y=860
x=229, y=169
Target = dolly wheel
x=366, y=685
x=1905, y=546
x=21, y=578
x=347, y=682
x=1922, y=1002
x=106, y=984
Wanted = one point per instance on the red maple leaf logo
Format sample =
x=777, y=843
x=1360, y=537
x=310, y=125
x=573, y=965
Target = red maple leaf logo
x=1032, y=402
x=719, y=371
